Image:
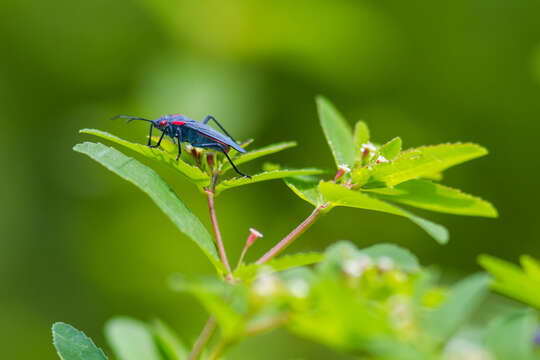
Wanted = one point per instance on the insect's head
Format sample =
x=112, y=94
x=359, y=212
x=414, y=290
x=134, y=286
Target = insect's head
x=162, y=122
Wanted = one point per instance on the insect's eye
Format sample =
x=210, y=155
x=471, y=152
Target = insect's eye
x=163, y=123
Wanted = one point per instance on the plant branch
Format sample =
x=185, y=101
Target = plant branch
x=219, y=241
x=203, y=338
x=279, y=247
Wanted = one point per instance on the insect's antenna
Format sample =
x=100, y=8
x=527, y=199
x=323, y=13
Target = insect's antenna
x=131, y=118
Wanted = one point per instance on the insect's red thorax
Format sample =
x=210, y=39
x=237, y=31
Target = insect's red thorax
x=179, y=123
x=163, y=123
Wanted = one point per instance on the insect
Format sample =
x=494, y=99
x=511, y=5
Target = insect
x=183, y=129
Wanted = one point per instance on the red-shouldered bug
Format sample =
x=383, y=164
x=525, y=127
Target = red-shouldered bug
x=198, y=134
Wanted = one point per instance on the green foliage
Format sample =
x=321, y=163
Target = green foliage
x=337, y=131
x=307, y=188
x=264, y=176
x=372, y=301
x=196, y=168
x=376, y=302
x=391, y=149
x=419, y=162
x=368, y=174
x=510, y=280
x=464, y=297
x=131, y=339
x=258, y=153
x=339, y=195
x=402, y=257
x=72, y=344
x=151, y=183
x=193, y=173
x=510, y=336
x=428, y=195
x=248, y=272
x=168, y=342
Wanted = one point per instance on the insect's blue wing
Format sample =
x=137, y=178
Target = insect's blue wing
x=215, y=135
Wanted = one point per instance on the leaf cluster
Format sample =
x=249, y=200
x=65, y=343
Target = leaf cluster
x=375, y=177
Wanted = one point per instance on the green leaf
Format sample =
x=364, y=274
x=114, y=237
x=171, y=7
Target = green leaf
x=212, y=294
x=249, y=272
x=193, y=173
x=462, y=301
x=341, y=196
x=402, y=257
x=152, y=184
x=361, y=137
x=511, y=336
x=391, y=149
x=435, y=197
x=255, y=154
x=420, y=162
x=131, y=339
x=511, y=281
x=264, y=176
x=307, y=188
x=337, y=131
x=168, y=342
x=531, y=267
x=72, y=344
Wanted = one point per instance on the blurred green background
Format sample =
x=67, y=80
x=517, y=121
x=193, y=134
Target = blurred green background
x=79, y=244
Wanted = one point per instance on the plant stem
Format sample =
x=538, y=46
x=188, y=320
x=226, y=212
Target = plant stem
x=203, y=338
x=219, y=241
x=218, y=350
x=279, y=247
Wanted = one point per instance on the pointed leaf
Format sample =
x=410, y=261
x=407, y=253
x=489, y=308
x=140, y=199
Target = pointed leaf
x=337, y=131
x=435, y=197
x=462, y=301
x=193, y=173
x=341, y=196
x=249, y=272
x=402, y=257
x=264, y=176
x=255, y=154
x=391, y=149
x=152, y=184
x=511, y=336
x=72, y=344
x=307, y=188
x=361, y=137
x=531, y=267
x=131, y=339
x=511, y=281
x=212, y=296
x=419, y=162
x=168, y=342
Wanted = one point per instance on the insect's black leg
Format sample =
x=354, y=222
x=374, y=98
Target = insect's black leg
x=224, y=151
x=150, y=136
x=234, y=166
x=210, y=117
x=159, y=141
x=179, y=147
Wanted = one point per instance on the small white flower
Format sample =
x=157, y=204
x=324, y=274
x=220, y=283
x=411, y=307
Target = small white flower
x=381, y=159
x=345, y=168
x=369, y=146
x=385, y=263
x=299, y=288
x=462, y=349
x=355, y=267
x=266, y=285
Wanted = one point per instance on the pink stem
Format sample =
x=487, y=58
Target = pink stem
x=219, y=242
x=293, y=235
x=203, y=338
